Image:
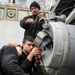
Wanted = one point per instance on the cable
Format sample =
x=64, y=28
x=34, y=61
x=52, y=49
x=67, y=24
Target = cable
x=65, y=10
x=40, y=67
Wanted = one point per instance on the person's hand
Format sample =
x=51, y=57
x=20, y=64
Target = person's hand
x=30, y=21
x=41, y=15
x=36, y=52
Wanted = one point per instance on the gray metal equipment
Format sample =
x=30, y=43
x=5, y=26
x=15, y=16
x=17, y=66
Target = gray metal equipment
x=57, y=40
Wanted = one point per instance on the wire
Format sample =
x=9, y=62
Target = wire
x=65, y=10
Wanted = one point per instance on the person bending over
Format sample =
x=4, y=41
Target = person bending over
x=9, y=56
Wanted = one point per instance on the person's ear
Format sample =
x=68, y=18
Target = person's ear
x=22, y=44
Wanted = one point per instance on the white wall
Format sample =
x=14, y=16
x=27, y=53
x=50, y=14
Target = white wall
x=4, y=1
x=28, y=2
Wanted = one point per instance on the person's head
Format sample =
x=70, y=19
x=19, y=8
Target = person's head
x=35, y=8
x=14, y=44
x=28, y=44
x=18, y=47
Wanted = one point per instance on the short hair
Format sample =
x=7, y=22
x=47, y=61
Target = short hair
x=27, y=38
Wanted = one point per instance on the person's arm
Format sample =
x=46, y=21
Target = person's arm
x=41, y=18
x=10, y=62
x=27, y=63
x=23, y=22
